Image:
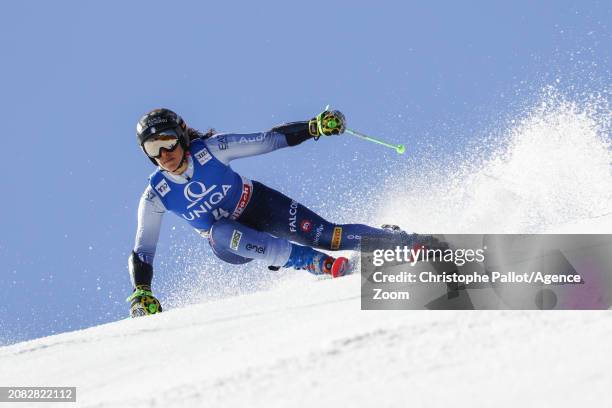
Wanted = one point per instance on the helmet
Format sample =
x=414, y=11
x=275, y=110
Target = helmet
x=161, y=119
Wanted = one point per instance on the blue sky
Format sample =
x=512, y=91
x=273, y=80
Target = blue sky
x=76, y=76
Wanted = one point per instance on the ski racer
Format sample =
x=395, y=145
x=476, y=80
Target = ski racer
x=242, y=219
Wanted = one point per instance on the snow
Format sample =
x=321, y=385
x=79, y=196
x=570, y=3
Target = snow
x=306, y=342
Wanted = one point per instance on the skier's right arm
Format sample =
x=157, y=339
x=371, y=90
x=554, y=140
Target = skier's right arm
x=140, y=263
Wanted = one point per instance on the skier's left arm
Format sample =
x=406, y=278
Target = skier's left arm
x=229, y=146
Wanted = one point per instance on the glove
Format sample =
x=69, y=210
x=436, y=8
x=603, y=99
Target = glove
x=327, y=123
x=142, y=302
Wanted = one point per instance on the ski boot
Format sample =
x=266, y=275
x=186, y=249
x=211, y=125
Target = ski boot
x=317, y=263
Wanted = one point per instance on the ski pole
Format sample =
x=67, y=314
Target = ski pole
x=400, y=148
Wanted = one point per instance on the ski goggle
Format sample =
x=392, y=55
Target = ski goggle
x=167, y=140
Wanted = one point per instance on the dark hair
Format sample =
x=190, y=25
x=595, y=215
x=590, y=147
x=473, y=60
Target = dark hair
x=196, y=134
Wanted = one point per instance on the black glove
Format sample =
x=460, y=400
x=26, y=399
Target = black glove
x=142, y=302
x=327, y=123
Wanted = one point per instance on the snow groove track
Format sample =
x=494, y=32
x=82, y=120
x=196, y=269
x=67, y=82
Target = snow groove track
x=307, y=343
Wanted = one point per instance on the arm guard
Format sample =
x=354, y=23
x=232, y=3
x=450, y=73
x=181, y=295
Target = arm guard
x=296, y=132
x=141, y=273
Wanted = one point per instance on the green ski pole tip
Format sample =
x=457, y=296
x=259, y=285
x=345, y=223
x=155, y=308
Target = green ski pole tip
x=400, y=149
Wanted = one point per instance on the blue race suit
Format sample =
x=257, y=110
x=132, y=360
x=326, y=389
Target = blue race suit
x=242, y=219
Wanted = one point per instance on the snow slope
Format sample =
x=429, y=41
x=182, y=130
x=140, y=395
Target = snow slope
x=305, y=342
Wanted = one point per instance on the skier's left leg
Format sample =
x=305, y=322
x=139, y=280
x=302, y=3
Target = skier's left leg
x=274, y=212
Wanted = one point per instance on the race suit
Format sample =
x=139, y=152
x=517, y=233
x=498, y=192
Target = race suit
x=242, y=219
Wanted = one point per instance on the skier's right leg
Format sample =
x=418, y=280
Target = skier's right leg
x=236, y=243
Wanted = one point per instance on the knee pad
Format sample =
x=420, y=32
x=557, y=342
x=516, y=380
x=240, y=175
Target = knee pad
x=238, y=243
x=220, y=235
x=221, y=231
